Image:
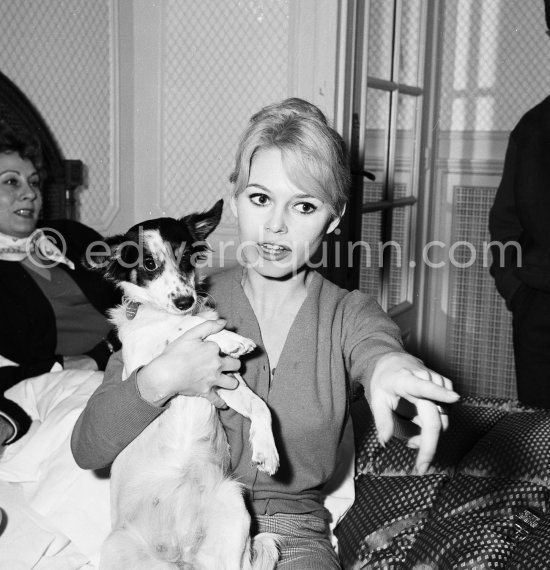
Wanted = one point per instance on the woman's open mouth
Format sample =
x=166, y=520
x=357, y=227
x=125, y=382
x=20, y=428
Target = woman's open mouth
x=25, y=213
x=273, y=252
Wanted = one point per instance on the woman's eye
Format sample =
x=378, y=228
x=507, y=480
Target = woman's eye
x=35, y=183
x=306, y=208
x=149, y=263
x=11, y=181
x=259, y=199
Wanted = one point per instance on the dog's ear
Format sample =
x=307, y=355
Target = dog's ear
x=100, y=254
x=204, y=223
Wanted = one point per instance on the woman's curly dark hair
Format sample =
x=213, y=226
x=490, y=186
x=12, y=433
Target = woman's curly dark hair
x=25, y=144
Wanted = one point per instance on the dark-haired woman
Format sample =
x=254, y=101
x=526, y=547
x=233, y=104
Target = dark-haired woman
x=52, y=309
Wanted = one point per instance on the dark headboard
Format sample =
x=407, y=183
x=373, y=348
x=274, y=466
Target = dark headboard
x=63, y=176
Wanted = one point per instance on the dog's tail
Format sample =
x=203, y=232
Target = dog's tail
x=265, y=551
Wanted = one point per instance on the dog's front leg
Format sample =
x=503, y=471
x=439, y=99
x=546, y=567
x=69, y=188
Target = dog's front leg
x=244, y=401
x=232, y=344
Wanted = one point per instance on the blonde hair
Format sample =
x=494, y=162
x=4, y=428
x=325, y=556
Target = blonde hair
x=314, y=155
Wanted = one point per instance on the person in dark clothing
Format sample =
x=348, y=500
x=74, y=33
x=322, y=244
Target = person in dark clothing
x=52, y=309
x=520, y=244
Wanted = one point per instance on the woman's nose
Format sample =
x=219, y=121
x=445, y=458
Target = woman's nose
x=276, y=223
x=27, y=191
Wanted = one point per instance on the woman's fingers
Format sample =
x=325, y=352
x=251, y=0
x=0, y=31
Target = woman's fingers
x=382, y=412
x=430, y=422
x=229, y=364
x=412, y=387
x=434, y=377
x=204, y=330
x=227, y=381
x=399, y=378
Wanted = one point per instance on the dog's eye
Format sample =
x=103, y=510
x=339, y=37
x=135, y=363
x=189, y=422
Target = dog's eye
x=149, y=263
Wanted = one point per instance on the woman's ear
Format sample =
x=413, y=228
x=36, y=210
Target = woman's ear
x=334, y=224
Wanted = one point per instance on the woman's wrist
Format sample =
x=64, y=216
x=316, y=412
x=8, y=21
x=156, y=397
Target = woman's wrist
x=150, y=386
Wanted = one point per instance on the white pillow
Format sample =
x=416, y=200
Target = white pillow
x=75, y=502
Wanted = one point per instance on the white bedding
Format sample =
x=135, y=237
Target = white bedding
x=54, y=514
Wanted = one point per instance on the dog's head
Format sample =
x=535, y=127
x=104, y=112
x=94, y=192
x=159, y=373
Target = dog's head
x=154, y=261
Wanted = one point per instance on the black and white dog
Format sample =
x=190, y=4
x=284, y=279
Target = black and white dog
x=173, y=504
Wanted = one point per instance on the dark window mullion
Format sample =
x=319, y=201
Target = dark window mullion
x=381, y=205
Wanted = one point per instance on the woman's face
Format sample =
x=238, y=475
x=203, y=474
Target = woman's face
x=280, y=225
x=20, y=198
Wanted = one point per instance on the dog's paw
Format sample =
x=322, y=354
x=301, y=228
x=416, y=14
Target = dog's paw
x=232, y=344
x=264, y=452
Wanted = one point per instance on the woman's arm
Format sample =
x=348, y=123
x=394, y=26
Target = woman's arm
x=118, y=411
x=377, y=359
x=114, y=416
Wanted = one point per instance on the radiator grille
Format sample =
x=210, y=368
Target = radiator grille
x=479, y=339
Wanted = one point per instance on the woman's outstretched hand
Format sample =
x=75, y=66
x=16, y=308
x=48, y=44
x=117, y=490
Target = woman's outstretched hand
x=399, y=375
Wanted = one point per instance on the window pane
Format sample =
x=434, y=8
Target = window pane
x=398, y=253
x=410, y=51
x=369, y=278
x=380, y=39
x=376, y=143
x=408, y=110
x=373, y=191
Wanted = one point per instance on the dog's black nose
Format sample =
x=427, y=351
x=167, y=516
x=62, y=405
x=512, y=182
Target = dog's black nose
x=184, y=303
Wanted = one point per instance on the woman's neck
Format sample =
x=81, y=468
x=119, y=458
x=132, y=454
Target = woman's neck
x=270, y=297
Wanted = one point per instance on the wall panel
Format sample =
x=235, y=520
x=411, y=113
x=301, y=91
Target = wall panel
x=221, y=61
x=61, y=55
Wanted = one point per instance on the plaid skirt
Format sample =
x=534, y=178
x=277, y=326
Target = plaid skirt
x=305, y=543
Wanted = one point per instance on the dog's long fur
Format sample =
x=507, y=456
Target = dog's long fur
x=173, y=505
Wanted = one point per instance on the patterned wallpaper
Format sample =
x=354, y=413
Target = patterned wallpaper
x=496, y=58
x=58, y=52
x=222, y=61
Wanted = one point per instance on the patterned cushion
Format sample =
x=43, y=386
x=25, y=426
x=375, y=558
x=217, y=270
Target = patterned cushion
x=518, y=447
x=386, y=515
x=468, y=422
x=484, y=504
x=533, y=552
x=475, y=523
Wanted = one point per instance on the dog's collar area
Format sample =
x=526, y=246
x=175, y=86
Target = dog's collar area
x=132, y=309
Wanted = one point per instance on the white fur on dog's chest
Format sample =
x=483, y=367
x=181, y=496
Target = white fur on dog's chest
x=145, y=336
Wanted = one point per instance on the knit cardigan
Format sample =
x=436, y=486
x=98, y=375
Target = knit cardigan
x=337, y=337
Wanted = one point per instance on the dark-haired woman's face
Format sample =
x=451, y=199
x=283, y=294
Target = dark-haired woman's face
x=20, y=198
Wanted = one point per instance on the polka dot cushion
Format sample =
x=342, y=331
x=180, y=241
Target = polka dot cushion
x=467, y=424
x=485, y=503
x=533, y=552
x=477, y=523
x=518, y=447
x=385, y=518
